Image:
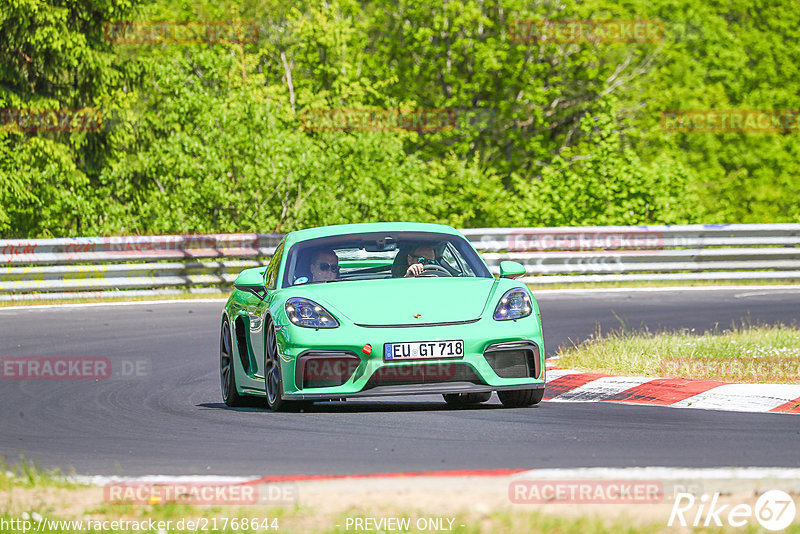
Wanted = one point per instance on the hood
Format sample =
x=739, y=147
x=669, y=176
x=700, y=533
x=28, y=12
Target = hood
x=396, y=301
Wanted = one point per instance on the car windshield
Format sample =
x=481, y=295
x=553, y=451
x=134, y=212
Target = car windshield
x=381, y=256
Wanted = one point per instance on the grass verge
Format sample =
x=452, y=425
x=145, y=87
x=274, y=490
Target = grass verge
x=26, y=473
x=743, y=354
x=36, y=500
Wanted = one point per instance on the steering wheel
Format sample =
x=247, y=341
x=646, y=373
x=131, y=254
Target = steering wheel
x=434, y=270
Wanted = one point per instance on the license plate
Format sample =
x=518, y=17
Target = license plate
x=423, y=350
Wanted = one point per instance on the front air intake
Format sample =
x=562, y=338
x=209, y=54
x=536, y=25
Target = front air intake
x=516, y=359
x=325, y=369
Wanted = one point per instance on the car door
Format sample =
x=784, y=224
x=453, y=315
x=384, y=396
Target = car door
x=257, y=313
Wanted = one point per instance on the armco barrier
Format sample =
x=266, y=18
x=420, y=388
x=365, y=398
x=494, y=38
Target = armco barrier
x=136, y=248
x=645, y=253
x=144, y=265
x=584, y=238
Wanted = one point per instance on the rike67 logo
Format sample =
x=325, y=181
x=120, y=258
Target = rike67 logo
x=774, y=510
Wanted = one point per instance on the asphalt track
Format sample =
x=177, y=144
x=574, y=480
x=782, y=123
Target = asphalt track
x=166, y=416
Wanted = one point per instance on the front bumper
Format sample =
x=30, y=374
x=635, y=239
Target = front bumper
x=498, y=355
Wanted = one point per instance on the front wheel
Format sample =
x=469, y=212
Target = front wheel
x=273, y=381
x=520, y=398
x=463, y=399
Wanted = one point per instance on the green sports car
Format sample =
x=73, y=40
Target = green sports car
x=377, y=309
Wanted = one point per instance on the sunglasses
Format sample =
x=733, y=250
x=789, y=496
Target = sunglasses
x=424, y=261
x=324, y=267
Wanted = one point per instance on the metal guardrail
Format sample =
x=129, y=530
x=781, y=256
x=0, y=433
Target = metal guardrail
x=646, y=253
x=82, y=267
x=143, y=265
x=135, y=248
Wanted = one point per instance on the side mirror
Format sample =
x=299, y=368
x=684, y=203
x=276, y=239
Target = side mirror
x=511, y=269
x=252, y=281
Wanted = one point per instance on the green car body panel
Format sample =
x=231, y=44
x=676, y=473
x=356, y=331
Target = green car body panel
x=373, y=313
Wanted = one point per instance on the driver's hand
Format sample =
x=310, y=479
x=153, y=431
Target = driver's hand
x=415, y=269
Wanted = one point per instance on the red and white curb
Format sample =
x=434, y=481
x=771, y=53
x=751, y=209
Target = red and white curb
x=564, y=385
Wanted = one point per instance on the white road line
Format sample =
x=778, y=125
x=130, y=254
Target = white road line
x=763, y=290
x=663, y=473
x=92, y=304
x=102, y=480
x=763, y=293
x=767, y=289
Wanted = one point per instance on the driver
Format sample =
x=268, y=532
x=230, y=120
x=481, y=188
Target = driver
x=418, y=258
x=324, y=266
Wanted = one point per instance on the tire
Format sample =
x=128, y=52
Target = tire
x=519, y=398
x=273, y=381
x=463, y=399
x=227, y=373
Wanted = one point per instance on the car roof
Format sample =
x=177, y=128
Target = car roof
x=358, y=228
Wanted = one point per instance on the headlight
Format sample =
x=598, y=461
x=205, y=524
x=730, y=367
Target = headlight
x=515, y=304
x=304, y=312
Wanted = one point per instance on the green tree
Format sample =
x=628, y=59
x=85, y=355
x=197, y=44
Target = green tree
x=53, y=57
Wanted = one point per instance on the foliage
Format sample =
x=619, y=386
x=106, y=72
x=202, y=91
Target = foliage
x=210, y=137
